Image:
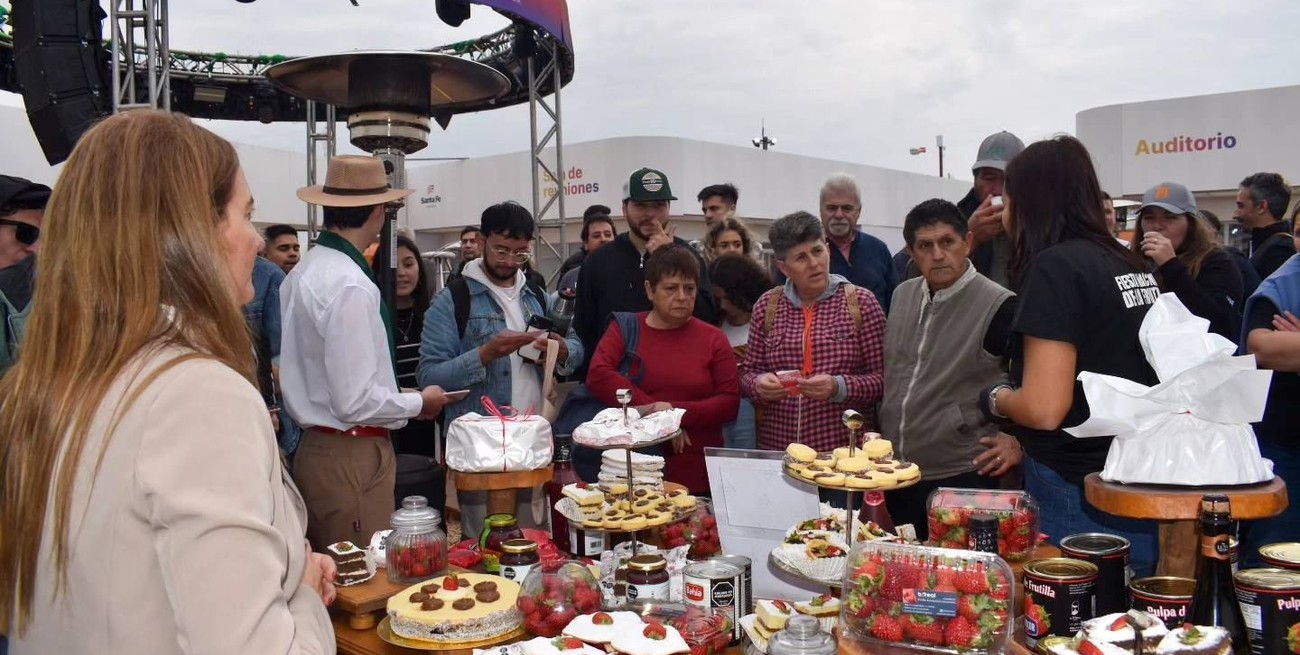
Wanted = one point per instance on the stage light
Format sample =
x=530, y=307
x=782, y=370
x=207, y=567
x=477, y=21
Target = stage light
x=452, y=12
x=524, y=44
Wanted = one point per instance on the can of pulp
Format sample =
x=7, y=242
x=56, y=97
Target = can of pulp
x=1285, y=555
x=1110, y=553
x=1059, y=597
x=744, y=583
x=711, y=586
x=1270, y=605
x=1164, y=597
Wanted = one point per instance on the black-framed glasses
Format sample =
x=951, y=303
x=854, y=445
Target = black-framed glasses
x=26, y=233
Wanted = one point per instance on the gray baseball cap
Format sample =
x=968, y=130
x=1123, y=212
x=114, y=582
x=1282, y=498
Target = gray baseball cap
x=1171, y=197
x=996, y=150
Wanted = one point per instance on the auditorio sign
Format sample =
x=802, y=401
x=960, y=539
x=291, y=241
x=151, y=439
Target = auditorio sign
x=1180, y=144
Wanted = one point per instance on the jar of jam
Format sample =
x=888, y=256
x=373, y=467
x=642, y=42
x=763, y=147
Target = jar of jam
x=518, y=557
x=497, y=529
x=647, y=578
x=416, y=549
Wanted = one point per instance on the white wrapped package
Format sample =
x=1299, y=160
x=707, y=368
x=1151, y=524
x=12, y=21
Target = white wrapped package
x=499, y=442
x=1194, y=427
x=607, y=427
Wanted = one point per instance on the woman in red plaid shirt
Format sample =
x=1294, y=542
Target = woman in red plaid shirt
x=832, y=343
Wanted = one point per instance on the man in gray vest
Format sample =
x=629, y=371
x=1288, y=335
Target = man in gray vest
x=944, y=343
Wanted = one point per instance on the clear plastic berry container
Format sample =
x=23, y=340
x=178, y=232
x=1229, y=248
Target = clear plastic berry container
x=951, y=509
x=926, y=598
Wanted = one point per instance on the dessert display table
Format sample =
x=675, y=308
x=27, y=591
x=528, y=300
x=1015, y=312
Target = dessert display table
x=502, y=488
x=1177, y=509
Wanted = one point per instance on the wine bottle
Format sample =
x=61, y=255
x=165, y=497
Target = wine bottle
x=561, y=475
x=874, y=510
x=1215, y=600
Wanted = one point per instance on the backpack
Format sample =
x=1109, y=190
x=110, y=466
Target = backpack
x=850, y=298
x=459, y=289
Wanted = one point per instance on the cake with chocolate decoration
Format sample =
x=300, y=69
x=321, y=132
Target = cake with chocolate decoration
x=456, y=608
x=353, y=568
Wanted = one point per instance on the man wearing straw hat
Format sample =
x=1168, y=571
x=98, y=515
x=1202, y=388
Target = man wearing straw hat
x=336, y=361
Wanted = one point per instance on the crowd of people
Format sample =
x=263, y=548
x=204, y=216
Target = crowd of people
x=180, y=390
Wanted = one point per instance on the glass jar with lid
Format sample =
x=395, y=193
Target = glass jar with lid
x=802, y=636
x=416, y=549
x=647, y=578
x=497, y=529
x=518, y=557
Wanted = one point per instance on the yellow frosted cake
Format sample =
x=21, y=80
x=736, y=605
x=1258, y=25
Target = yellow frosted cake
x=468, y=607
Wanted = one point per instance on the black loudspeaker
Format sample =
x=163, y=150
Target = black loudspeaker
x=62, y=68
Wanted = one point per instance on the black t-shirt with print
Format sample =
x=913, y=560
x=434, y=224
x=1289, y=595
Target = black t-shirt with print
x=1281, y=422
x=1083, y=294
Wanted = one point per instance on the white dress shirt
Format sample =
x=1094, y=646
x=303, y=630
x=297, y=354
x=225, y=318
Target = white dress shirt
x=336, y=369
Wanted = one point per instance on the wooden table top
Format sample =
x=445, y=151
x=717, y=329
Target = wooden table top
x=1172, y=503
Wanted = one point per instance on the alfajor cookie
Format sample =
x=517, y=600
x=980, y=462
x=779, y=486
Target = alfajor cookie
x=800, y=453
x=877, y=448
x=853, y=464
x=830, y=478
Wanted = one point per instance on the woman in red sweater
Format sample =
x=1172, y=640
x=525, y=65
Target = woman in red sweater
x=682, y=362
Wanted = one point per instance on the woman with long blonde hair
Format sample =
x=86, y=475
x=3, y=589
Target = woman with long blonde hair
x=145, y=509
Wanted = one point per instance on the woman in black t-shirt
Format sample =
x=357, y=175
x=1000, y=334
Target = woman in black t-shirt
x=1082, y=298
x=412, y=292
x=1187, y=260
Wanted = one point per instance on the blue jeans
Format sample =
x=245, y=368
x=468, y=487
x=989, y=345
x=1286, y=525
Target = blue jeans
x=1283, y=527
x=1063, y=511
x=741, y=433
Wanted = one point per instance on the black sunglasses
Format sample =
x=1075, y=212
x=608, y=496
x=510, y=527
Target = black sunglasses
x=27, y=233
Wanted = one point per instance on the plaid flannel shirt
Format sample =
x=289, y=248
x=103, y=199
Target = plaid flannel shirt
x=839, y=349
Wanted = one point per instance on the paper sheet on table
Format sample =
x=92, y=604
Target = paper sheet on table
x=1192, y=428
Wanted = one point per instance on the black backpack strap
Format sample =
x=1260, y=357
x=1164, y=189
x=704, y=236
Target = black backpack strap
x=459, y=289
x=539, y=292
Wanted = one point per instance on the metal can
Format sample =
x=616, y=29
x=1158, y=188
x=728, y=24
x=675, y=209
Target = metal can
x=711, y=586
x=1164, y=597
x=1284, y=555
x=1059, y=596
x=744, y=583
x=1110, y=553
x=1270, y=605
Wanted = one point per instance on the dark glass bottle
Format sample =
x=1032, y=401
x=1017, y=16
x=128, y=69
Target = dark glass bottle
x=562, y=474
x=1215, y=600
x=873, y=509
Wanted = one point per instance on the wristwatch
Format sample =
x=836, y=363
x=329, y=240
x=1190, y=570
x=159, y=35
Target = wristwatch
x=988, y=402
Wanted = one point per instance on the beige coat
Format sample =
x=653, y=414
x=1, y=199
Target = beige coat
x=191, y=540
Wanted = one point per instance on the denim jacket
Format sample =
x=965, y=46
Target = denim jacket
x=452, y=362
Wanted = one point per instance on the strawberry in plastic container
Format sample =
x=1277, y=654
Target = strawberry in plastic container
x=706, y=632
x=553, y=593
x=700, y=532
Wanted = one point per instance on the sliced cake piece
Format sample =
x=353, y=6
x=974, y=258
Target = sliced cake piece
x=823, y=605
x=1121, y=629
x=586, y=495
x=350, y=562
x=1195, y=640
x=773, y=615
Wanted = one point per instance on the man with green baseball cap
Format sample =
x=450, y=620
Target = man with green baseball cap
x=612, y=278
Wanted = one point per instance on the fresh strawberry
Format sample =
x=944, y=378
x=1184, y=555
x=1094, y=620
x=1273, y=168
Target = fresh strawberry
x=1293, y=638
x=526, y=605
x=602, y=618
x=960, y=633
x=860, y=604
x=567, y=643
x=972, y=606
x=869, y=575
x=974, y=580
x=700, y=649
x=820, y=600
x=1088, y=648
x=780, y=604
x=655, y=631
x=1119, y=623
x=450, y=583
x=925, y=629
x=900, y=575
x=946, y=516
x=886, y=628
x=1001, y=588
x=565, y=614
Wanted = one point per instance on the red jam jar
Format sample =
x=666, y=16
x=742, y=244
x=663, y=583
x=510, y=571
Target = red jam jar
x=647, y=578
x=497, y=529
x=518, y=557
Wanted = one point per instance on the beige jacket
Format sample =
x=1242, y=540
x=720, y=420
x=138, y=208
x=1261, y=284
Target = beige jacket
x=190, y=539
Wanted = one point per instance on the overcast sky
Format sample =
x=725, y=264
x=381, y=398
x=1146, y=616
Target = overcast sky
x=854, y=80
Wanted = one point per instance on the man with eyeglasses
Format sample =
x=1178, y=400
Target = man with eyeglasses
x=861, y=258
x=22, y=206
x=474, y=333
x=944, y=344
x=612, y=279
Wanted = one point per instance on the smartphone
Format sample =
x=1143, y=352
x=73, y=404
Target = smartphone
x=540, y=325
x=996, y=201
x=455, y=396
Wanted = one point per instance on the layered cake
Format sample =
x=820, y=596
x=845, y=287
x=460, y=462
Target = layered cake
x=1122, y=629
x=1187, y=640
x=772, y=617
x=350, y=562
x=463, y=607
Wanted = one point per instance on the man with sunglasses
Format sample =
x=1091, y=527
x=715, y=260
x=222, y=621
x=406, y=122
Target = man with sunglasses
x=22, y=206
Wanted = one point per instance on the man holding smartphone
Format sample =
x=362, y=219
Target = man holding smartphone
x=488, y=333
